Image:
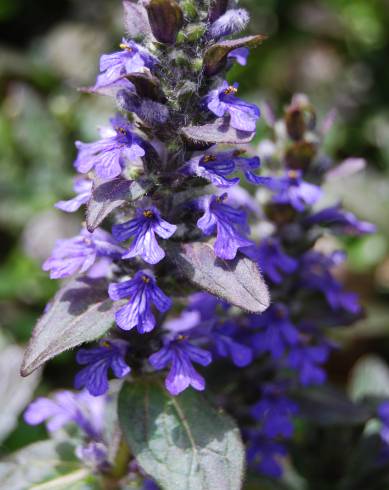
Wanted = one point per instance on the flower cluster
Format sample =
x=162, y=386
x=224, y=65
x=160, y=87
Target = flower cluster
x=172, y=149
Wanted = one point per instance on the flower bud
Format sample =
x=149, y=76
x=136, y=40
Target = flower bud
x=232, y=22
x=166, y=19
x=299, y=156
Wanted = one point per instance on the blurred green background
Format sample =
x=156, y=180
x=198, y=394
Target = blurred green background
x=336, y=51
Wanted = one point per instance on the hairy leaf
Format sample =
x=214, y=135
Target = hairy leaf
x=216, y=56
x=182, y=442
x=80, y=312
x=47, y=465
x=15, y=392
x=217, y=132
x=237, y=281
x=108, y=196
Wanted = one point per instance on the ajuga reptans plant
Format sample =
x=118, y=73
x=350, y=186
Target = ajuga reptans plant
x=198, y=260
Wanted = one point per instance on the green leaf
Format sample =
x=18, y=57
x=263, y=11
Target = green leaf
x=369, y=377
x=80, y=312
x=181, y=442
x=15, y=392
x=47, y=465
x=237, y=281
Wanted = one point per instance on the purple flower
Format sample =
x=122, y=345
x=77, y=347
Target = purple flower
x=271, y=259
x=143, y=291
x=94, y=455
x=315, y=273
x=277, y=331
x=203, y=303
x=227, y=346
x=274, y=411
x=180, y=354
x=222, y=101
x=240, y=55
x=264, y=454
x=307, y=360
x=292, y=189
x=109, y=155
x=341, y=221
x=216, y=167
x=232, y=22
x=115, y=66
x=79, y=254
x=227, y=222
x=94, y=377
x=80, y=408
x=83, y=188
x=383, y=415
x=143, y=228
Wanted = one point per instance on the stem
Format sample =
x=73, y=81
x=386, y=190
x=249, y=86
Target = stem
x=123, y=456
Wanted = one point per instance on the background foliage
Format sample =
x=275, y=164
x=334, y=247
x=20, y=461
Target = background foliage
x=333, y=50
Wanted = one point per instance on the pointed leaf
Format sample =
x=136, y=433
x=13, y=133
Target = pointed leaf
x=181, y=442
x=215, y=57
x=217, y=132
x=80, y=312
x=237, y=281
x=108, y=196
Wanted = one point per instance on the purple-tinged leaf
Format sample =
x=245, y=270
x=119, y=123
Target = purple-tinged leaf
x=136, y=22
x=108, y=196
x=80, y=312
x=347, y=168
x=165, y=18
x=238, y=281
x=215, y=57
x=217, y=132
